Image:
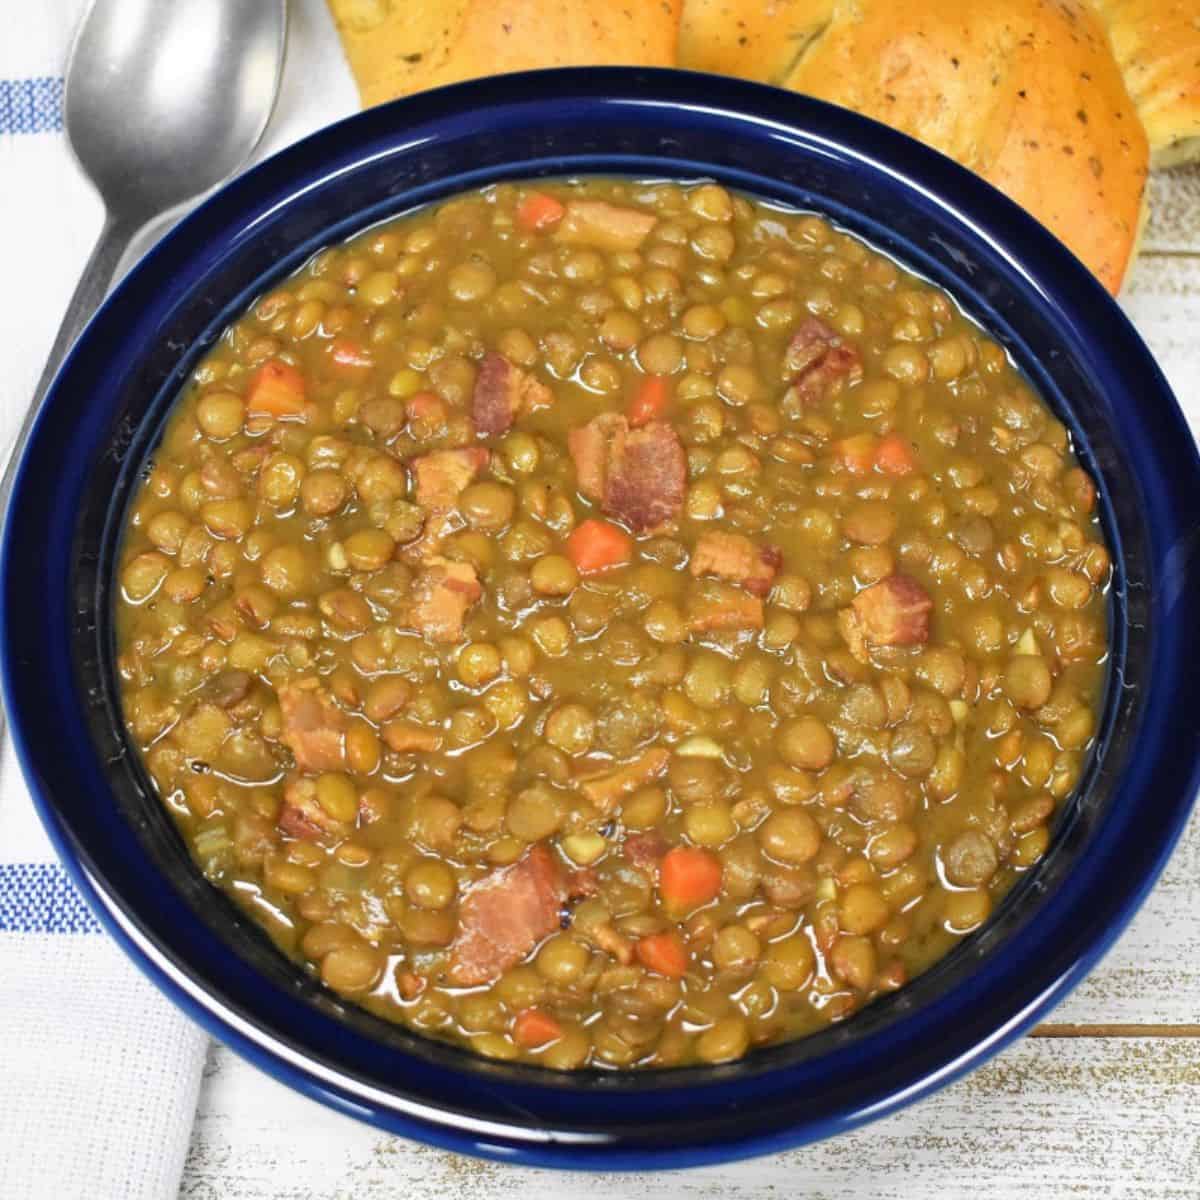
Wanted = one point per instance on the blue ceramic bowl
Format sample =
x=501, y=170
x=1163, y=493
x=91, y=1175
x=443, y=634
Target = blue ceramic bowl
x=106, y=411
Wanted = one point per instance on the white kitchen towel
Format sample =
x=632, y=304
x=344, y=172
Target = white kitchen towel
x=99, y=1074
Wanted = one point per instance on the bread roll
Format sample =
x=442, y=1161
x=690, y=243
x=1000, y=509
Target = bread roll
x=754, y=39
x=1024, y=92
x=1157, y=46
x=396, y=47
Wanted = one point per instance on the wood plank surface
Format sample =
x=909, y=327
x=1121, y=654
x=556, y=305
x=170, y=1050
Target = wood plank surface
x=1102, y=1102
x=1163, y=302
x=1174, y=222
x=1084, y=1117
x=1152, y=975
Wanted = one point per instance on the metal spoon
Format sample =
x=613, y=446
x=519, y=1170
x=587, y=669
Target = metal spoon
x=164, y=99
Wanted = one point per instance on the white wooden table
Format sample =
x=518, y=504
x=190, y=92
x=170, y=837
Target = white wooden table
x=1103, y=1101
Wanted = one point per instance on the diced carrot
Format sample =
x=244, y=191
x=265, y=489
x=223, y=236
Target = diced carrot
x=349, y=355
x=663, y=953
x=856, y=453
x=597, y=545
x=539, y=212
x=689, y=877
x=276, y=390
x=894, y=455
x=650, y=402
x=533, y=1028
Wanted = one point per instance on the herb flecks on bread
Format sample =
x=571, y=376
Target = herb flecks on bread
x=397, y=47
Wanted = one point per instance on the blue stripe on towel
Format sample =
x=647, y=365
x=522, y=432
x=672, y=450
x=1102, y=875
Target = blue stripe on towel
x=31, y=105
x=40, y=898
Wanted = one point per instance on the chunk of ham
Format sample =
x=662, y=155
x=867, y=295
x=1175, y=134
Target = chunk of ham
x=817, y=357
x=604, y=226
x=442, y=595
x=893, y=612
x=645, y=850
x=582, y=883
x=303, y=817
x=314, y=728
x=591, y=447
x=638, y=476
x=735, y=558
x=406, y=737
x=440, y=477
x=504, y=915
x=718, y=607
x=605, y=789
x=502, y=392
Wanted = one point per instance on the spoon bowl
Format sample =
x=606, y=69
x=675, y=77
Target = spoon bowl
x=164, y=101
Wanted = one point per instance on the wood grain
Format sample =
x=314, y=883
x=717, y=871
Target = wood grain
x=1152, y=975
x=1174, y=223
x=1115, y=1031
x=1163, y=301
x=1045, y=1119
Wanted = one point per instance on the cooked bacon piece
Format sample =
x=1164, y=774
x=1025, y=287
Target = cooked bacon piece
x=893, y=612
x=645, y=850
x=581, y=883
x=314, y=728
x=603, y=225
x=720, y=607
x=442, y=594
x=302, y=815
x=605, y=789
x=638, y=476
x=736, y=558
x=405, y=737
x=502, y=391
x=504, y=915
x=646, y=483
x=591, y=447
x=818, y=356
x=441, y=476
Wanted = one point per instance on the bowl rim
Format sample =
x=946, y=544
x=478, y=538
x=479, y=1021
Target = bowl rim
x=1058, y=280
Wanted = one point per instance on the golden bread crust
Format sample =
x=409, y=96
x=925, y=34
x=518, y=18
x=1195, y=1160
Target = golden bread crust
x=1157, y=46
x=397, y=47
x=753, y=39
x=1027, y=94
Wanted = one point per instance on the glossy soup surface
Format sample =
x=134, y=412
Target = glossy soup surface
x=612, y=623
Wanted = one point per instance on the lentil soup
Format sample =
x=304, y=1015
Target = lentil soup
x=612, y=623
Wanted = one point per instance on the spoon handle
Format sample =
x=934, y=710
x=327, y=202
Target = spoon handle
x=89, y=291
